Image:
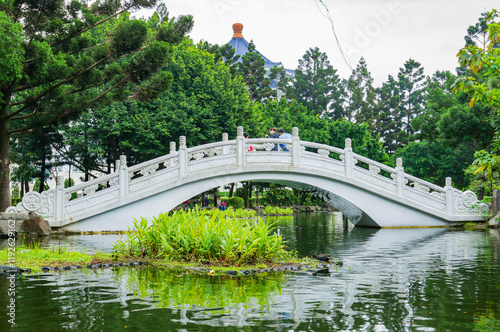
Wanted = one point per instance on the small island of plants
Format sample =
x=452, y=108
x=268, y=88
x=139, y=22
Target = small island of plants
x=225, y=238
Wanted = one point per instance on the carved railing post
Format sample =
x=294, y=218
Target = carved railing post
x=117, y=165
x=240, y=147
x=348, y=158
x=400, y=177
x=450, y=204
x=225, y=149
x=295, y=147
x=182, y=157
x=172, y=148
x=170, y=162
x=123, y=177
x=60, y=198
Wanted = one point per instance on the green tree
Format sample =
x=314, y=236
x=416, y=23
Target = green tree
x=61, y=59
x=316, y=84
x=400, y=101
x=412, y=90
x=203, y=101
x=484, y=86
x=359, y=96
x=252, y=69
x=388, y=122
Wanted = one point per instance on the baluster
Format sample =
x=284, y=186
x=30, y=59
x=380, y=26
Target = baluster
x=295, y=147
x=225, y=148
x=348, y=158
x=400, y=177
x=240, y=147
x=182, y=157
x=123, y=177
x=59, y=199
x=450, y=204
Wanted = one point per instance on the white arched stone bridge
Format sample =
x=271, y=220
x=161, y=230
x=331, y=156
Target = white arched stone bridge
x=367, y=192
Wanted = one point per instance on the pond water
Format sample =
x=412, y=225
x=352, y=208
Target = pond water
x=435, y=279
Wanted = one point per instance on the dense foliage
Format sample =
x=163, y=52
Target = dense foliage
x=205, y=236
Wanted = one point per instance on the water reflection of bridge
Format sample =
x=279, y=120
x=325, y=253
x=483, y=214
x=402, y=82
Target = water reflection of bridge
x=367, y=192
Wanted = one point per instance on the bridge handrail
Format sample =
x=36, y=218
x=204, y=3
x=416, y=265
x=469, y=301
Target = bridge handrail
x=318, y=146
x=368, y=161
x=432, y=186
x=158, y=160
x=206, y=148
x=128, y=181
x=91, y=184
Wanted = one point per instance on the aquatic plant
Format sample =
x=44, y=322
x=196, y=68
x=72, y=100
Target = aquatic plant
x=204, y=236
x=274, y=210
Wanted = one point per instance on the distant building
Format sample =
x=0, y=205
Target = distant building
x=240, y=46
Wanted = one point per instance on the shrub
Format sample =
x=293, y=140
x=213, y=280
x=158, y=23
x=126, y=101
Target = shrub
x=204, y=235
x=235, y=202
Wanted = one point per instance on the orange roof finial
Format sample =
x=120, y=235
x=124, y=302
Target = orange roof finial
x=237, y=29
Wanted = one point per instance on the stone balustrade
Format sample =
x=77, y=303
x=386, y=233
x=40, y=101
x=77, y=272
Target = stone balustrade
x=127, y=184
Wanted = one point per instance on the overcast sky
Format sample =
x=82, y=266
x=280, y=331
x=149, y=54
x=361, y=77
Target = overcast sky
x=385, y=32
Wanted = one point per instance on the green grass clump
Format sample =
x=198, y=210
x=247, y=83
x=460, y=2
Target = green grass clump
x=274, y=210
x=34, y=257
x=207, y=236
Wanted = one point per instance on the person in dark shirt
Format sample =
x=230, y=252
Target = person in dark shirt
x=273, y=134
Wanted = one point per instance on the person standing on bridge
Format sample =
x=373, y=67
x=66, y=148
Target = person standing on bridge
x=250, y=148
x=273, y=134
x=284, y=135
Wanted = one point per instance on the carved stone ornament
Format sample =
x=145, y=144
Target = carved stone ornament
x=373, y=169
x=151, y=169
x=323, y=153
x=348, y=143
x=172, y=147
x=225, y=137
x=32, y=201
x=448, y=182
x=182, y=141
x=466, y=202
x=196, y=156
x=114, y=181
x=399, y=162
x=295, y=132
x=437, y=194
x=90, y=189
x=239, y=131
x=268, y=146
x=421, y=187
x=214, y=151
x=60, y=180
x=123, y=160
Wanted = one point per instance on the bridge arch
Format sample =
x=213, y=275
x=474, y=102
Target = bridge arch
x=367, y=192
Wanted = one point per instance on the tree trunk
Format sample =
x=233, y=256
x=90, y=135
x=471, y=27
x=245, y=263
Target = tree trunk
x=257, y=199
x=216, y=196
x=42, y=175
x=5, y=199
x=249, y=194
x=231, y=190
